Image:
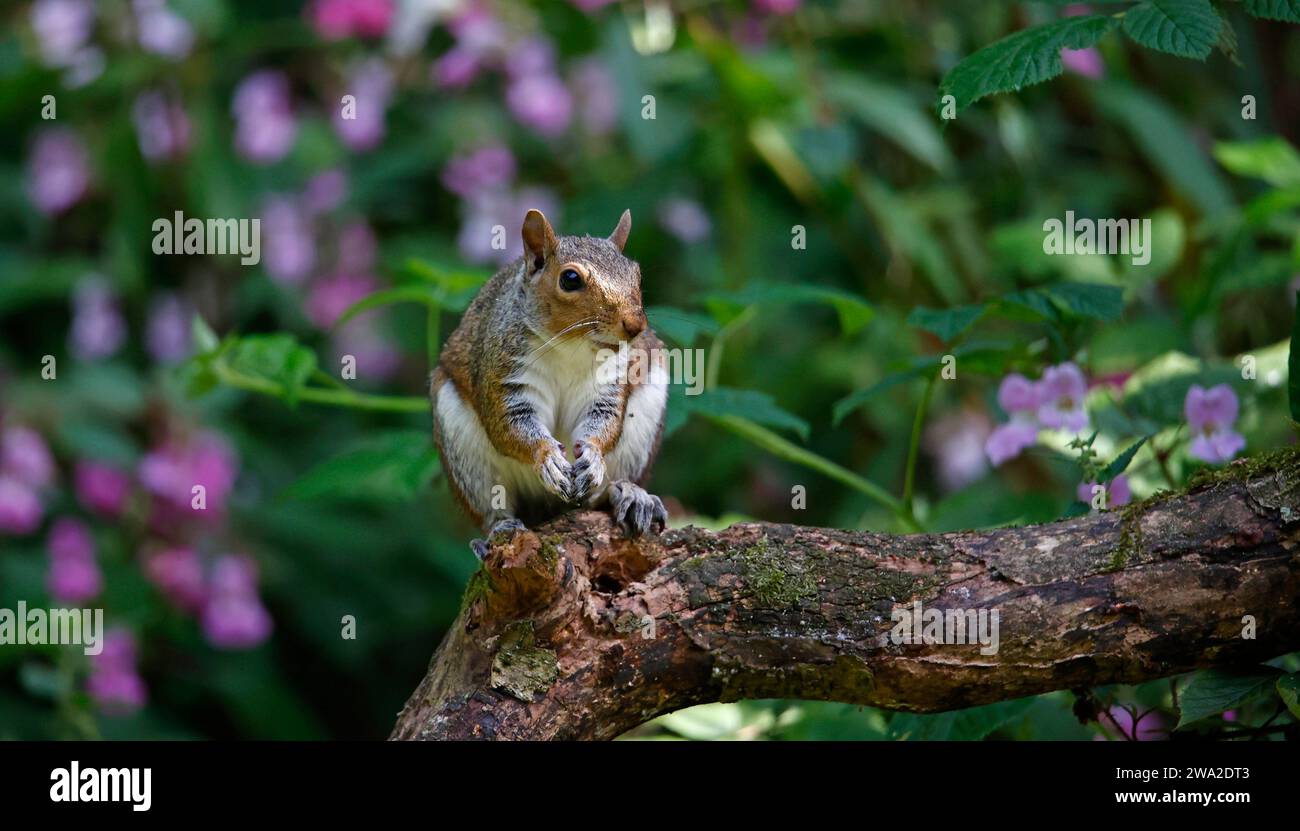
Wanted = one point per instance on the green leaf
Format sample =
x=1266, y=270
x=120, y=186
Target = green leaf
x=975, y=357
x=854, y=312
x=454, y=289
x=1095, y=301
x=1288, y=687
x=1288, y=10
x=205, y=340
x=1122, y=461
x=756, y=406
x=892, y=113
x=1216, y=690
x=1187, y=28
x=972, y=724
x=1293, y=366
x=277, y=358
x=1272, y=159
x=946, y=324
x=387, y=467
x=680, y=326
x=1028, y=57
x=1167, y=143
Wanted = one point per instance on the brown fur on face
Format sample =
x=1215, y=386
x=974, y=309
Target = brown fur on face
x=607, y=308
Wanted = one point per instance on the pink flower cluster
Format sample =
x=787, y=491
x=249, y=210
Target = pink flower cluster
x=1211, y=415
x=337, y=19
x=115, y=683
x=26, y=472
x=1055, y=402
x=484, y=179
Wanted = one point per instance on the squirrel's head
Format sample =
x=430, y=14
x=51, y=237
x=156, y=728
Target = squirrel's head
x=583, y=286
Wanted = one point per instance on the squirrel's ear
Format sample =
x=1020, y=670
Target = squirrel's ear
x=619, y=237
x=539, y=239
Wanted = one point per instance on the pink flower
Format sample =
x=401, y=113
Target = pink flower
x=777, y=6
x=597, y=96
x=265, y=126
x=167, y=332
x=326, y=191
x=1211, y=414
x=62, y=27
x=98, y=329
x=234, y=617
x=331, y=296
x=102, y=488
x=956, y=443
x=172, y=470
x=1008, y=440
x=685, y=219
x=356, y=247
x=74, y=575
x=335, y=19
x=457, y=68
x=1085, y=62
x=371, y=86
x=1118, y=725
x=488, y=168
x=1017, y=394
x=25, y=456
x=161, y=126
x=288, y=245
x=1117, y=492
x=178, y=574
x=1061, y=393
x=114, y=683
x=20, y=507
x=58, y=171
x=161, y=30
x=489, y=210
x=377, y=358
x=541, y=102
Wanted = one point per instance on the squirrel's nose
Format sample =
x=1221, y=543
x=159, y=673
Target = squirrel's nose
x=634, y=324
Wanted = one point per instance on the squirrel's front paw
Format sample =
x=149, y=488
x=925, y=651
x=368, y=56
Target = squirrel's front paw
x=555, y=471
x=588, y=470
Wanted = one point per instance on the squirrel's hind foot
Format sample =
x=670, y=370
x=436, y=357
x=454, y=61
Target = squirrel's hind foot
x=508, y=526
x=636, y=509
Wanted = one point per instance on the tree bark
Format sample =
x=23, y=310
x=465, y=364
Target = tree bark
x=573, y=631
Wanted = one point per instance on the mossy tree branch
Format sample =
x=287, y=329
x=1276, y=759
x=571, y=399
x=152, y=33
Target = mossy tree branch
x=574, y=632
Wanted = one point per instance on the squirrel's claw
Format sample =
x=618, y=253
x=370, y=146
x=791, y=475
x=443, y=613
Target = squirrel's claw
x=588, y=470
x=556, y=474
x=637, y=510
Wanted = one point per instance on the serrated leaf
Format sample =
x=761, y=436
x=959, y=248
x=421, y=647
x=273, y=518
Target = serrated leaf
x=1186, y=28
x=390, y=466
x=1028, y=57
x=1121, y=462
x=1288, y=10
x=946, y=324
x=1213, y=691
x=1081, y=300
x=758, y=407
x=278, y=358
x=1288, y=687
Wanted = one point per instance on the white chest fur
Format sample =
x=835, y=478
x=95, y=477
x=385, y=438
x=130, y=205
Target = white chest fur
x=562, y=381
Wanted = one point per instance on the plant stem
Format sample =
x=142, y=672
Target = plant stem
x=719, y=341
x=317, y=395
x=914, y=445
x=791, y=452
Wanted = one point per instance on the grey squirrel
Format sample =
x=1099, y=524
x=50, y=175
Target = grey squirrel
x=528, y=373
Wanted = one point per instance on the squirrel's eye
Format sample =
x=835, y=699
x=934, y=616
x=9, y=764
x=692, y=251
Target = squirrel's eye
x=570, y=280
